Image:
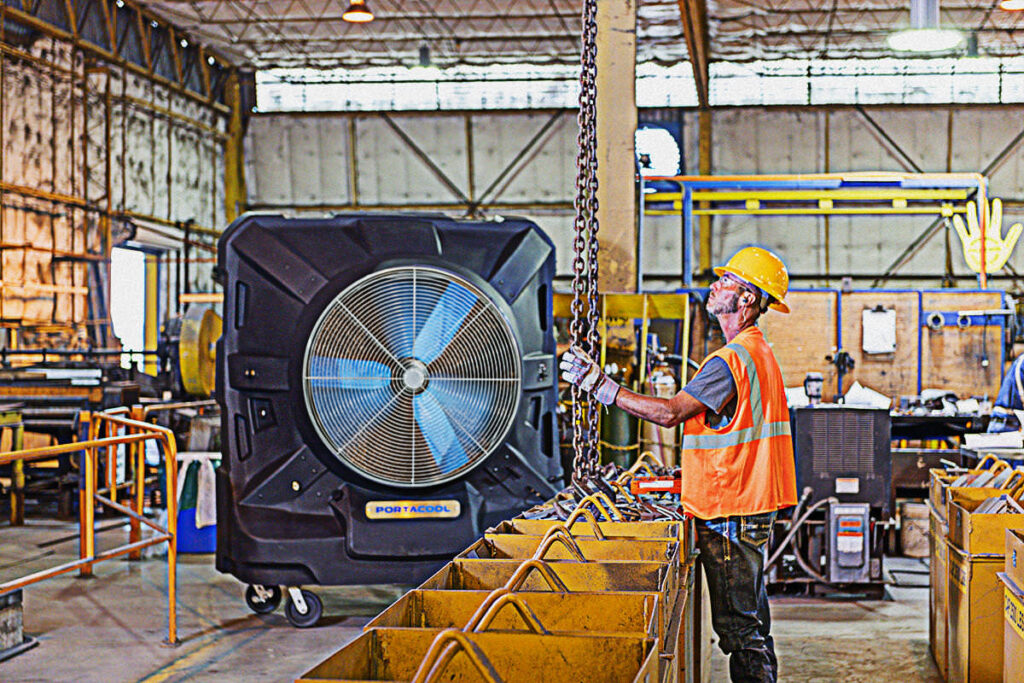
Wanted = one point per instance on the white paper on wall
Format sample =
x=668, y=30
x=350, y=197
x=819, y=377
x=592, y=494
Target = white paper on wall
x=879, y=330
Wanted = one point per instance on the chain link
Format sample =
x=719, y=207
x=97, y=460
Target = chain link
x=584, y=332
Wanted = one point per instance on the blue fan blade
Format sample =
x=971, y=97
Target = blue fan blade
x=341, y=411
x=348, y=373
x=443, y=322
x=438, y=431
x=469, y=403
x=395, y=331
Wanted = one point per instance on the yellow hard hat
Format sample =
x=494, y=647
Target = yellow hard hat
x=763, y=269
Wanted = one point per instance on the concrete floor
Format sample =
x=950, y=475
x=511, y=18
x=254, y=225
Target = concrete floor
x=111, y=627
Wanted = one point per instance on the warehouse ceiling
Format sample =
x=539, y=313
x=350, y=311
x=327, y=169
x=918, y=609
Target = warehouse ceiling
x=310, y=33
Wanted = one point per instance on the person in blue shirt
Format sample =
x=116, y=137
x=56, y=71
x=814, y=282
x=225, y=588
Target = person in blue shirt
x=1010, y=398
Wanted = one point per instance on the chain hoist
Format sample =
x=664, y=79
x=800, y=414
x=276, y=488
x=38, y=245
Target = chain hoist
x=583, y=330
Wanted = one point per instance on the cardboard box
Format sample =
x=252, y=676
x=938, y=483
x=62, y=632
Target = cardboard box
x=938, y=580
x=975, y=618
x=976, y=553
x=978, y=534
x=1014, y=564
x=1013, y=630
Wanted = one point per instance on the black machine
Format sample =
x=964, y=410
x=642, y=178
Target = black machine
x=844, y=468
x=387, y=385
x=844, y=452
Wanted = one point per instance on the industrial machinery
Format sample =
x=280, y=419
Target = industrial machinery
x=387, y=385
x=187, y=351
x=836, y=534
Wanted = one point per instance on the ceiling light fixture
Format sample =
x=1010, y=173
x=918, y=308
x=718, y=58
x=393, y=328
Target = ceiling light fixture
x=925, y=34
x=1012, y=5
x=358, y=12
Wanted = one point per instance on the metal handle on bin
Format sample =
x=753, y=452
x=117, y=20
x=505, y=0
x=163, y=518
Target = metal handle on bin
x=515, y=582
x=595, y=500
x=561, y=534
x=436, y=660
x=999, y=466
x=1014, y=480
x=589, y=517
x=494, y=603
x=987, y=460
x=621, y=488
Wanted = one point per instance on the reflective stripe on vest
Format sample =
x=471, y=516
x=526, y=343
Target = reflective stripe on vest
x=759, y=430
x=756, y=411
x=699, y=442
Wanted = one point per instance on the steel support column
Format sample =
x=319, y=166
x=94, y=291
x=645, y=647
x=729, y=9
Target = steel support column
x=234, y=171
x=616, y=130
x=704, y=148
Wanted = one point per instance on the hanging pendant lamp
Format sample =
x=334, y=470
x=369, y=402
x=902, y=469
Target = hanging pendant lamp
x=357, y=12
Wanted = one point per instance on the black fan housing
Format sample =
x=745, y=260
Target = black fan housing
x=387, y=384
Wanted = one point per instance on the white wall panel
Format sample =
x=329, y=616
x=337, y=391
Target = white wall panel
x=390, y=170
x=546, y=173
x=746, y=141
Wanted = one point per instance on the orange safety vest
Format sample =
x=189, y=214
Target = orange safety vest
x=747, y=466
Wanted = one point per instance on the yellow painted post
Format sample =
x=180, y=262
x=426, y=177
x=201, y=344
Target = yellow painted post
x=704, y=165
x=150, y=331
x=11, y=420
x=616, y=156
x=111, y=463
x=234, y=174
x=171, y=467
x=18, y=492
x=87, y=499
x=138, y=458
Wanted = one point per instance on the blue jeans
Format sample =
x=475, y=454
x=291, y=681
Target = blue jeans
x=732, y=552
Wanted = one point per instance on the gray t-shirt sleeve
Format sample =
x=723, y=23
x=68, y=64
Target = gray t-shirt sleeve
x=713, y=385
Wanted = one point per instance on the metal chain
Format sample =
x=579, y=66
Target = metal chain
x=584, y=263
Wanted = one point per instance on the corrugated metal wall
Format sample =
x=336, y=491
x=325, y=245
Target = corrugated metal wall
x=524, y=163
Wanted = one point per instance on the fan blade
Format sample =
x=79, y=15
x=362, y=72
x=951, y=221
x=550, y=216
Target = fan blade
x=469, y=403
x=348, y=373
x=439, y=433
x=443, y=322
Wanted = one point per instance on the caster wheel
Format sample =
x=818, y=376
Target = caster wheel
x=314, y=609
x=263, y=601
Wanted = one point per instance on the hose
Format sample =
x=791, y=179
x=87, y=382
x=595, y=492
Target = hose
x=788, y=540
x=794, y=524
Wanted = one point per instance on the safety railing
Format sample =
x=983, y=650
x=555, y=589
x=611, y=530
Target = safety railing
x=108, y=431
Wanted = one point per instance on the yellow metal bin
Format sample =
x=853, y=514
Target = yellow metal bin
x=386, y=654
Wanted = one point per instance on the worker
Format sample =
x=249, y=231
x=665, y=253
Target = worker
x=736, y=468
x=1009, y=399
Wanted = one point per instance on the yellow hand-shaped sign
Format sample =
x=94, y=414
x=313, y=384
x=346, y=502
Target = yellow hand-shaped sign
x=997, y=248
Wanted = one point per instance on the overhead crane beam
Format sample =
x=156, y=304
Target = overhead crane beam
x=694, y=14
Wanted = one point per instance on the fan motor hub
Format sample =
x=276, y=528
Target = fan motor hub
x=415, y=377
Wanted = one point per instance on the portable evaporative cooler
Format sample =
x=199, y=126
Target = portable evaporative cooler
x=387, y=385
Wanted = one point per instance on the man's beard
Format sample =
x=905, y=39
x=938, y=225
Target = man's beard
x=726, y=306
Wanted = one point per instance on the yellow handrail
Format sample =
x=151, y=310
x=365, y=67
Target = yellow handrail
x=135, y=431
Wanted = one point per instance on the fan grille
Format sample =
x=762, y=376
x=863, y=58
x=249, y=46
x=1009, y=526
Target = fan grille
x=412, y=376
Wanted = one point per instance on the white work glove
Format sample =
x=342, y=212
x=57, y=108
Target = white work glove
x=579, y=369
